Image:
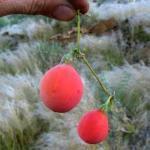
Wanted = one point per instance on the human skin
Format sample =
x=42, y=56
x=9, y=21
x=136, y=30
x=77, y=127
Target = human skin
x=64, y=10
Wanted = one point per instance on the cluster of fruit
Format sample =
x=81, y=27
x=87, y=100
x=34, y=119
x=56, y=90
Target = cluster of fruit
x=61, y=89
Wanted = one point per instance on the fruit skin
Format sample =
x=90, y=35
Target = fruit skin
x=61, y=88
x=93, y=126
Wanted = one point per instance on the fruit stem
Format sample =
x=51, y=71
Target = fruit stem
x=95, y=74
x=107, y=104
x=79, y=53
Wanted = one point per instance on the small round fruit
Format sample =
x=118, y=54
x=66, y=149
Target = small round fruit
x=93, y=127
x=61, y=88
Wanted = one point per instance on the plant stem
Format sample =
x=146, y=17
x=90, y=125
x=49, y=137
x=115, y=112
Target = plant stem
x=84, y=58
x=95, y=75
x=107, y=105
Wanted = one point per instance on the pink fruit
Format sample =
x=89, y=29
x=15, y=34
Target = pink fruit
x=93, y=127
x=61, y=88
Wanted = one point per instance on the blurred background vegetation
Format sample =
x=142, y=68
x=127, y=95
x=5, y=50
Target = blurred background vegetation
x=117, y=43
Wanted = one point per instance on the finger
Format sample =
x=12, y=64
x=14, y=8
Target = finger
x=83, y=5
x=63, y=12
x=60, y=10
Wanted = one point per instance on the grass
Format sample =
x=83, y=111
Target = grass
x=15, y=19
x=5, y=46
x=129, y=117
x=42, y=55
x=113, y=58
x=48, y=54
x=140, y=34
x=13, y=63
x=20, y=126
x=21, y=139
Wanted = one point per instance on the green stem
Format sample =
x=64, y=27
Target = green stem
x=95, y=75
x=107, y=105
x=83, y=56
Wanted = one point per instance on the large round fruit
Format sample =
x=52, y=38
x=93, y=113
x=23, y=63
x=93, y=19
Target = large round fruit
x=93, y=127
x=61, y=88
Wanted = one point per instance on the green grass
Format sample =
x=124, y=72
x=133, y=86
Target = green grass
x=48, y=54
x=113, y=57
x=22, y=139
x=19, y=130
x=43, y=56
x=140, y=34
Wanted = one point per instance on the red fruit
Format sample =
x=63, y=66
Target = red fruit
x=61, y=88
x=93, y=126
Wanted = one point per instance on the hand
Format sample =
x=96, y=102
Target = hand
x=59, y=9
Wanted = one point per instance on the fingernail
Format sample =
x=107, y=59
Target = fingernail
x=63, y=12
